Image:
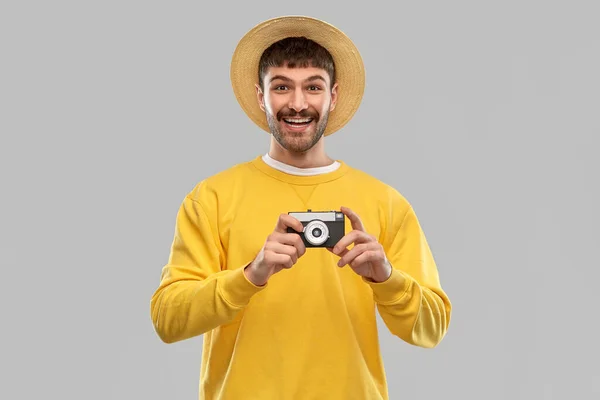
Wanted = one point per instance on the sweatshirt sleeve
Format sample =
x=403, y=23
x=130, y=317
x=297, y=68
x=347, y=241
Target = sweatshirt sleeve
x=196, y=293
x=411, y=301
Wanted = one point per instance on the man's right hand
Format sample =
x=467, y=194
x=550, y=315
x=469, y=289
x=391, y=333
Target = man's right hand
x=281, y=250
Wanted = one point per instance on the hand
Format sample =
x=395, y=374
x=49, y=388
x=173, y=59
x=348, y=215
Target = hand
x=367, y=258
x=281, y=250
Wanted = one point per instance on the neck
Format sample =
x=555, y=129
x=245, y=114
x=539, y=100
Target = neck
x=313, y=158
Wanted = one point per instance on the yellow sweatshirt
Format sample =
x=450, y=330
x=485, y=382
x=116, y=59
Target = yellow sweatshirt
x=310, y=332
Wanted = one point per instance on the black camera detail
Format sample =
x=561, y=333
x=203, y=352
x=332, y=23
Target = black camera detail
x=321, y=228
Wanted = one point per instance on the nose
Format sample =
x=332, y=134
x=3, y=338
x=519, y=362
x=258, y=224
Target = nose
x=298, y=101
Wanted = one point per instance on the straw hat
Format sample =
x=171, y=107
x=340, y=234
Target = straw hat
x=349, y=66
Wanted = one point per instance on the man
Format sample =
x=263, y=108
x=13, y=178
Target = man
x=282, y=319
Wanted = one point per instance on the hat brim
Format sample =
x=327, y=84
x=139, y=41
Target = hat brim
x=350, y=72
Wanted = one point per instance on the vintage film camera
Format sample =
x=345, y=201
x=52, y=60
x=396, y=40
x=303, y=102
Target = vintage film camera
x=321, y=228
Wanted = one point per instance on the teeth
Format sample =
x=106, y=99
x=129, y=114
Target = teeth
x=297, y=120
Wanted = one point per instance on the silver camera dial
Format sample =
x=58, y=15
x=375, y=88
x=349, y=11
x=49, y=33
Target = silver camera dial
x=316, y=232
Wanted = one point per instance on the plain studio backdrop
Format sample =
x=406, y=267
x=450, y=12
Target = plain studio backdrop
x=484, y=115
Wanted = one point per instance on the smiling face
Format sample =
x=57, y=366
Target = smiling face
x=297, y=102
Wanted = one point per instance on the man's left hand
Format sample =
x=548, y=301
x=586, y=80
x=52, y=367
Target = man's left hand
x=367, y=258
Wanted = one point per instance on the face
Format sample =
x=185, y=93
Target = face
x=297, y=102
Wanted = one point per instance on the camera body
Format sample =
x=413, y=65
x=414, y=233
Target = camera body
x=321, y=228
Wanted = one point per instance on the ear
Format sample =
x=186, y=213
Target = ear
x=334, y=95
x=260, y=97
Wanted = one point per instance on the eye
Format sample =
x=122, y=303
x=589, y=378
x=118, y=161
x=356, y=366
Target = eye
x=280, y=87
x=314, y=87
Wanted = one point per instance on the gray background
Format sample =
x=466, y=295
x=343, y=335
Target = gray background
x=483, y=114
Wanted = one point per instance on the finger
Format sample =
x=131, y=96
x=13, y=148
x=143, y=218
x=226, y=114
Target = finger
x=370, y=255
x=285, y=221
x=292, y=239
x=341, y=253
x=274, y=259
x=352, y=237
x=354, y=219
x=280, y=248
x=330, y=249
x=352, y=255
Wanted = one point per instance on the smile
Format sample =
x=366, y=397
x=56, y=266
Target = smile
x=297, y=121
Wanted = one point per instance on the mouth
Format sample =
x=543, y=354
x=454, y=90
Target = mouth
x=297, y=124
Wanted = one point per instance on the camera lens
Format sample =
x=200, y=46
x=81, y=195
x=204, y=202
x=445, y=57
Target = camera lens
x=316, y=232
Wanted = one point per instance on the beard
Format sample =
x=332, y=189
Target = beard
x=297, y=142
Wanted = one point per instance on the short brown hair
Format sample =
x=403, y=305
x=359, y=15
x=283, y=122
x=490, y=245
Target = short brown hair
x=296, y=52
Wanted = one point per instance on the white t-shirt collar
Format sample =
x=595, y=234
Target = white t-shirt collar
x=290, y=169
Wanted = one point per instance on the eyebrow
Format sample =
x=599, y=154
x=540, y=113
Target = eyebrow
x=310, y=78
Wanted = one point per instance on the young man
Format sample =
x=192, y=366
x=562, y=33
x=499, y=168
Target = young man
x=285, y=316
